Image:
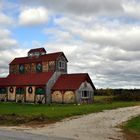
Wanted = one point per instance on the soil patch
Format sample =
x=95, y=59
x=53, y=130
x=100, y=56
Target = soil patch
x=128, y=135
x=16, y=120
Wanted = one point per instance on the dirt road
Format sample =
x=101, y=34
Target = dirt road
x=95, y=126
x=17, y=135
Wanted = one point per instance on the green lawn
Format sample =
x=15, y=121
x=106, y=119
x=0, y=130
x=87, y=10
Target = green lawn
x=54, y=112
x=133, y=125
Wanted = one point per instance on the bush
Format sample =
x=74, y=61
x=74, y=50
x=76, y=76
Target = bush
x=104, y=92
x=120, y=94
x=128, y=96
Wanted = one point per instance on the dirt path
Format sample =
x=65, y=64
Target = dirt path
x=95, y=126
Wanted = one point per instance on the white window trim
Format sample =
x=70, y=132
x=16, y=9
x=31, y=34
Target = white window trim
x=62, y=65
x=88, y=94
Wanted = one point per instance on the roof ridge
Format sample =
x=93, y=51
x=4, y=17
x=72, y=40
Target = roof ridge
x=55, y=52
x=37, y=48
x=43, y=55
x=75, y=73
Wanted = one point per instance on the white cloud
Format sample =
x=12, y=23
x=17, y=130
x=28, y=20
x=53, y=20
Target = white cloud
x=113, y=34
x=81, y=7
x=33, y=16
x=6, y=42
x=126, y=38
x=132, y=8
x=4, y=33
x=91, y=8
x=59, y=35
x=5, y=20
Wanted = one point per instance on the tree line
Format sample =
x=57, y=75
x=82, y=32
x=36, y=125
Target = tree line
x=120, y=94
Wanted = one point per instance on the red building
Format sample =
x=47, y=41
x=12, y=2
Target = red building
x=42, y=78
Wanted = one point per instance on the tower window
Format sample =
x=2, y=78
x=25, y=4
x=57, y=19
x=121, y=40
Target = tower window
x=61, y=65
x=39, y=67
x=21, y=68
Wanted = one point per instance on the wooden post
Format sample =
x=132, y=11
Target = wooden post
x=62, y=92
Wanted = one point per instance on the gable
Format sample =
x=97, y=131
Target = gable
x=86, y=86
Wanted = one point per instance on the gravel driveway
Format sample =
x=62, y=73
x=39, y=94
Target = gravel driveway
x=95, y=126
x=17, y=135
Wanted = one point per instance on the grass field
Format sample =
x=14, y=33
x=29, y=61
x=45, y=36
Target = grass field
x=103, y=99
x=133, y=125
x=13, y=113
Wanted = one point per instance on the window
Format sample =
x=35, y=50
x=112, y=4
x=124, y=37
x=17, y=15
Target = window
x=85, y=94
x=61, y=65
x=39, y=67
x=36, y=53
x=3, y=90
x=21, y=68
x=30, y=54
x=40, y=90
x=20, y=90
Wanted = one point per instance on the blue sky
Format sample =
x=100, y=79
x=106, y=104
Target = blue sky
x=98, y=37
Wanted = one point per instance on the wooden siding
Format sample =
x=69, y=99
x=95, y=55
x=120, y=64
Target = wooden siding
x=14, y=69
x=33, y=67
x=61, y=58
x=20, y=98
x=30, y=97
x=40, y=99
x=51, y=65
x=27, y=68
x=56, y=97
x=69, y=97
x=85, y=86
x=45, y=66
x=3, y=97
x=12, y=95
x=63, y=97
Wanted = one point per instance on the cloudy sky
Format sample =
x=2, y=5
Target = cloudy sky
x=100, y=37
